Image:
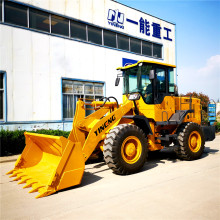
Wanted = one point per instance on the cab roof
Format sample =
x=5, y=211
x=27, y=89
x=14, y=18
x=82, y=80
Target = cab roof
x=145, y=61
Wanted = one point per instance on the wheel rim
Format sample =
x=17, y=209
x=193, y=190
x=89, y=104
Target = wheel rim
x=131, y=149
x=195, y=141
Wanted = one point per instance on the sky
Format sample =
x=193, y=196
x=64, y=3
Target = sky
x=197, y=41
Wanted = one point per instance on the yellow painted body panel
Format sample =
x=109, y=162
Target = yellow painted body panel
x=155, y=112
x=49, y=163
x=183, y=103
x=154, y=144
x=163, y=112
x=158, y=112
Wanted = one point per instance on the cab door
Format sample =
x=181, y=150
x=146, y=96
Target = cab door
x=160, y=85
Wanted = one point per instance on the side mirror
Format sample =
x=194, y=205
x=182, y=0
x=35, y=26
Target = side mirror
x=175, y=90
x=117, y=80
x=152, y=74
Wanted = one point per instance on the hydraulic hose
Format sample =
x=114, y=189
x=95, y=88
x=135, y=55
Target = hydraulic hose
x=108, y=99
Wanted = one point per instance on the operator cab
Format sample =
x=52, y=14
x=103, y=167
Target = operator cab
x=152, y=80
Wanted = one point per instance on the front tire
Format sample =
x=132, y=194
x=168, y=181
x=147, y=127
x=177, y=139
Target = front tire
x=125, y=149
x=190, y=141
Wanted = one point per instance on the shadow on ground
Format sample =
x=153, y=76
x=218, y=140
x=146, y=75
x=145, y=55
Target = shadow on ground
x=157, y=157
x=88, y=178
x=154, y=158
x=208, y=151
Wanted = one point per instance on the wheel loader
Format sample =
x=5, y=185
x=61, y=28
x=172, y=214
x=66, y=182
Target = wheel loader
x=152, y=116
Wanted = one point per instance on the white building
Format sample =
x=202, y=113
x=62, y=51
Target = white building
x=53, y=52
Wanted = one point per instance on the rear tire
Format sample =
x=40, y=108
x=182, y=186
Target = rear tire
x=125, y=149
x=190, y=141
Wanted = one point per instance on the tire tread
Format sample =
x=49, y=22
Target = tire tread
x=111, y=145
x=182, y=149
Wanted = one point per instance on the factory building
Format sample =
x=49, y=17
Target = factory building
x=54, y=52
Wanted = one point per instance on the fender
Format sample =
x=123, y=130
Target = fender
x=209, y=132
x=142, y=122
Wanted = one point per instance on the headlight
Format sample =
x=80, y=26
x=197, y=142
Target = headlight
x=134, y=96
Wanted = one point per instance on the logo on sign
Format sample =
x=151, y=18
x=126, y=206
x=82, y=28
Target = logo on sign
x=126, y=61
x=115, y=18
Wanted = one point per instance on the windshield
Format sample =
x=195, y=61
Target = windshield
x=136, y=79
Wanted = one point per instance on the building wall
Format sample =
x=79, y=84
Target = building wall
x=97, y=11
x=35, y=63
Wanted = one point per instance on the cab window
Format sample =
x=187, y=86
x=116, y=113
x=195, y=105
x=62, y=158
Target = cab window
x=171, y=80
x=161, y=80
x=146, y=84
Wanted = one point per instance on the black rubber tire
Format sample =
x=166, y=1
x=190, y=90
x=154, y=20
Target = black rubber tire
x=112, y=149
x=182, y=148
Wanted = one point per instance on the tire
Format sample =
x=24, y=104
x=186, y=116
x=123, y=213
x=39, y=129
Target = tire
x=125, y=149
x=190, y=141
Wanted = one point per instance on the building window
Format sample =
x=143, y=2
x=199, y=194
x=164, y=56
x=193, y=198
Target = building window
x=1, y=97
x=78, y=30
x=0, y=10
x=95, y=35
x=123, y=42
x=146, y=48
x=59, y=25
x=74, y=90
x=39, y=20
x=157, y=50
x=109, y=38
x=135, y=45
x=15, y=14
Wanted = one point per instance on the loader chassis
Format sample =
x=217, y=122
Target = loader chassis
x=151, y=117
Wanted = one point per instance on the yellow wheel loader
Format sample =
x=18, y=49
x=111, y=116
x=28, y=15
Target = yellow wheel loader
x=151, y=117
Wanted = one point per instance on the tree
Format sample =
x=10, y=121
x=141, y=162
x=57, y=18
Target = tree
x=204, y=100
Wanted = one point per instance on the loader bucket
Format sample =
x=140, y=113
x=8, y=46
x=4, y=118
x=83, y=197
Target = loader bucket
x=49, y=164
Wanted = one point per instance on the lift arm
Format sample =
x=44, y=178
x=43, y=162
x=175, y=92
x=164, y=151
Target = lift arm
x=90, y=130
